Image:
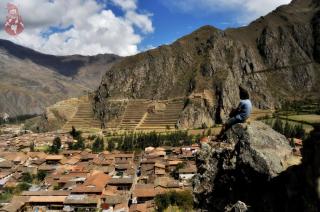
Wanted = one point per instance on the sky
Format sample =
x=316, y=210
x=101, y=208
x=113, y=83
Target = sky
x=123, y=27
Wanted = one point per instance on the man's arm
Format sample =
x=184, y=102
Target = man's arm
x=239, y=107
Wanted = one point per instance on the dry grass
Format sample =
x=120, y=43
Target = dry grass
x=214, y=131
x=258, y=113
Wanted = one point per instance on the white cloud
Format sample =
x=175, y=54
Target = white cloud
x=95, y=28
x=126, y=4
x=243, y=10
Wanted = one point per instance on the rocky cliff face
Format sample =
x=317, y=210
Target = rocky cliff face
x=196, y=114
x=254, y=165
x=221, y=61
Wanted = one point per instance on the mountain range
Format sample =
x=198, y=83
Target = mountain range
x=30, y=81
x=276, y=58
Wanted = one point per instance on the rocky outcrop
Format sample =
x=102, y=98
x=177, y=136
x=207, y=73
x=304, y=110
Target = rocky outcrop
x=250, y=154
x=252, y=57
x=196, y=114
x=253, y=166
x=54, y=117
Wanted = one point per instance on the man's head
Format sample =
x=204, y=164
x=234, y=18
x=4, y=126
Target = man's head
x=244, y=94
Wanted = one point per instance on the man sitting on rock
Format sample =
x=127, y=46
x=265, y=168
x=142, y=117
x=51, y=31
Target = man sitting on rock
x=241, y=113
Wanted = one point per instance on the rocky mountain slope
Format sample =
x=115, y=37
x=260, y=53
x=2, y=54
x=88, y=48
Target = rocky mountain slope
x=30, y=81
x=254, y=169
x=276, y=58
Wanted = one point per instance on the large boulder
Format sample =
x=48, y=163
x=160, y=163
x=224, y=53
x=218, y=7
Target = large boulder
x=260, y=147
x=241, y=166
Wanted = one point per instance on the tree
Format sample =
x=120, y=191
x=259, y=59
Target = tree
x=56, y=145
x=79, y=145
x=98, y=145
x=41, y=175
x=75, y=133
x=26, y=177
x=299, y=131
x=278, y=125
x=23, y=187
x=287, y=130
x=111, y=146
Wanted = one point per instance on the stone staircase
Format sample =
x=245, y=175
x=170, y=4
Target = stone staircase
x=84, y=118
x=138, y=116
x=134, y=113
x=164, y=119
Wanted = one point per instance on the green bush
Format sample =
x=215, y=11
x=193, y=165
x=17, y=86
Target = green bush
x=41, y=175
x=79, y=145
x=111, y=146
x=26, y=177
x=23, y=187
x=98, y=145
x=287, y=129
x=7, y=194
x=278, y=125
x=56, y=146
x=75, y=133
x=139, y=141
x=183, y=200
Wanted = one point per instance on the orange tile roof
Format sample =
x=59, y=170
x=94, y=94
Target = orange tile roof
x=49, y=199
x=144, y=190
x=121, y=155
x=94, y=183
x=54, y=157
x=138, y=208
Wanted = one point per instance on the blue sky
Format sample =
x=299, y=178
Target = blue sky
x=124, y=27
x=171, y=24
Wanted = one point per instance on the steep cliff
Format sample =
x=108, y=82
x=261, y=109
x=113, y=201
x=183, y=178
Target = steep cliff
x=252, y=57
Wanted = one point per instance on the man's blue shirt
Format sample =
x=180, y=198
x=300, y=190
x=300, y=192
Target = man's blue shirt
x=245, y=108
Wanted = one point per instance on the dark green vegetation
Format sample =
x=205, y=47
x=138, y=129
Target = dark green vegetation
x=98, y=145
x=8, y=193
x=56, y=146
x=27, y=177
x=183, y=200
x=139, y=141
x=294, y=118
x=41, y=175
x=80, y=144
x=287, y=129
x=25, y=183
